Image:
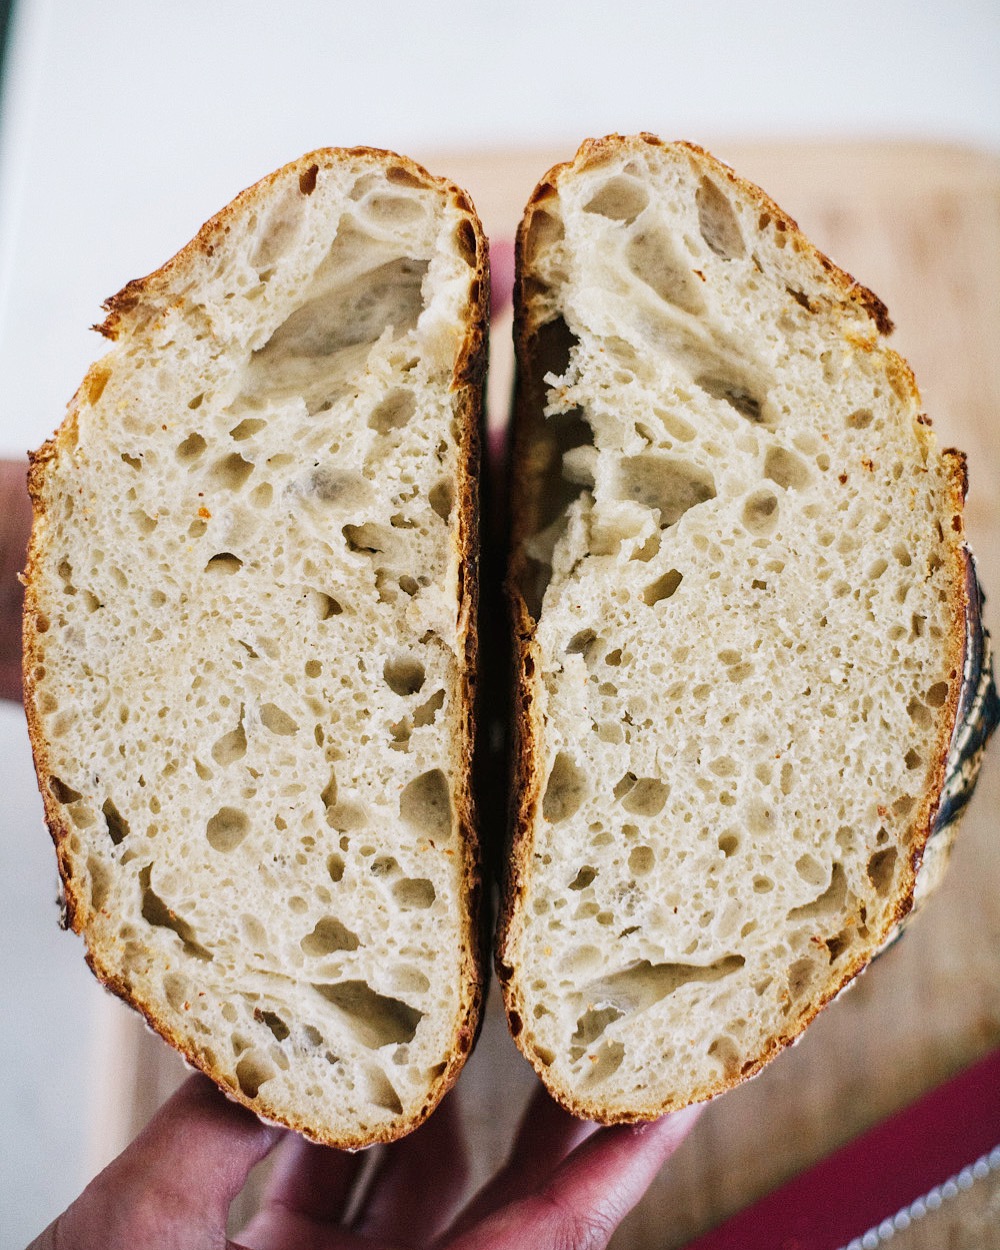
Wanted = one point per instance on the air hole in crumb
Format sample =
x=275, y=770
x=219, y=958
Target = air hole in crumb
x=414, y=893
x=425, y=805
x=641, y=860
x=583, y=878
x=579, y=643
x=671, y=486
x=605, y=1062
x=663, y=588
x=274, y=1022
x=277, y=721
x=760, y=513
x=717, y=221
x=861, y=419
x=440, y=499
x=328, y=936
x=620, y=198
x=227, y=829
x=737, y=395
x=145, y=523
x=323, y=605
x=367, y=539
x=728, y=844
x=381, y=1092
x=427, y=712
x=253, y=930
x=307, y=180
x=96, y=380
x=156, y=913
x=650, y=256
x=624, y=785
x=63, y=792
x=465, y=241
x=403, y=675
x=881, y=867
x=335, y=867
x=811, y=870
x=786, y=469
x=118, y=826
x=252, y=1071
x=800, y=975
x=725, y=1051
x=646, y=797
x=375, y=1019
x=231, y=746
x=224, y=562
x=191, y=448
x=401, y=177
x=937, y=694
x=912, y=759
x=565, y=790
x=392, y=412
x=247, y=428
x=230, y=472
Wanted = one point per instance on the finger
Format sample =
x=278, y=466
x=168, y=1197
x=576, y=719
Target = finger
x=179, y=1176
x=15, y=524
x=589, y=1194
x=315, y=1181
x=419, y=1184
x=546, y=1135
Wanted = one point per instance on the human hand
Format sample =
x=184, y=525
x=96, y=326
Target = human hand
x=566, y=1185
x=15, y=524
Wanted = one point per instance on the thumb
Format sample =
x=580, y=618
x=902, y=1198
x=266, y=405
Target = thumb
x=174, y=1184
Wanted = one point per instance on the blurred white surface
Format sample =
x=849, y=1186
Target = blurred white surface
x=125, y=125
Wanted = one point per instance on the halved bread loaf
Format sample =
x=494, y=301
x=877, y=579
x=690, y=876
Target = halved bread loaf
x=250, y=644
x=745, y=617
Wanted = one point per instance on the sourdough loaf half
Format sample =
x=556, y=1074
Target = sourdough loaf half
x=250, y=644
x=744, y=613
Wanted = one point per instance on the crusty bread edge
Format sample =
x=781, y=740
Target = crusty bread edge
x=527, y=776
x=467, y=383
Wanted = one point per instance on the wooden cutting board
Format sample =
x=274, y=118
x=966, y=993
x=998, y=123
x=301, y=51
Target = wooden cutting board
x=919, y=224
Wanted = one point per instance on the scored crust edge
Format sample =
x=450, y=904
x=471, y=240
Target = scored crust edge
x=467, y=380
x=973, y=710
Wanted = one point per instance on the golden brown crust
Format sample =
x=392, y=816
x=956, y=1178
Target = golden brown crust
x=126, y=311
x=526, y=777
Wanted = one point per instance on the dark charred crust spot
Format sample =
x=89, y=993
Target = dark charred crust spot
x=960, y=468
x=874, y=307
x=307, y=179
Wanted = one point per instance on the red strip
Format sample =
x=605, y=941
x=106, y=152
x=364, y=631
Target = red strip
x=877, y=1174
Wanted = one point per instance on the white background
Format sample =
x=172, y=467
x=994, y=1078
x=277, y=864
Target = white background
x=126, y=123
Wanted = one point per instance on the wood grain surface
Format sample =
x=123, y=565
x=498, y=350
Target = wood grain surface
x=920, y=225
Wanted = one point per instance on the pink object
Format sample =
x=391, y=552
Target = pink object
x=501, y=275
x=866, y=1182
